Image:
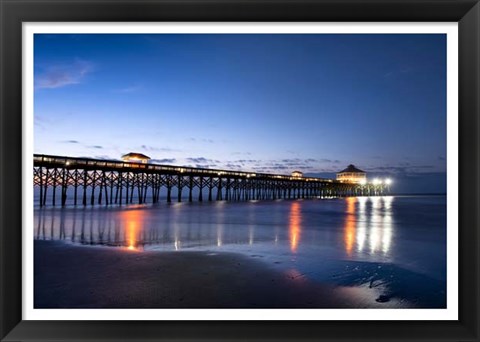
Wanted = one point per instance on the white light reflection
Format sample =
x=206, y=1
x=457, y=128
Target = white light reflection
x=219, y=235
x=380, y=226
x=375, y=217
x=362, y=222
x=220, y=222
x=387, y=224
x=176, y=232
x=251, y=231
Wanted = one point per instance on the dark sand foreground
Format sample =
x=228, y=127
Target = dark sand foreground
x=69, y=276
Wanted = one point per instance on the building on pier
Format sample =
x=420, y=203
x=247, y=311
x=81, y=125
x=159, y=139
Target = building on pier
x=352, y=175
x=297, y=174
x=135, y=158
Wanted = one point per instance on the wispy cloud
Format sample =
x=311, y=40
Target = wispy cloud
x=149, y=148
x=70, y=142
x=403, y=169
x=210, y=141
x=130, y=89
x=198, y=160
x=163, y=161
x=57, y=76
x=41, y=121
x=402, y=70
x=105, y=157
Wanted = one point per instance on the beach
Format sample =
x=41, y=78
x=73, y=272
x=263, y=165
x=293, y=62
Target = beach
x=68, y=276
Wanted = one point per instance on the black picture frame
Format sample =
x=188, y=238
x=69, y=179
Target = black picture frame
x=14, y=12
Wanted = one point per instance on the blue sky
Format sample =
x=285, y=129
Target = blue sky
x=265, y=103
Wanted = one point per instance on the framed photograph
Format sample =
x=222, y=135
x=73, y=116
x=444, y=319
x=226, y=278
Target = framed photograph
x=239, y=171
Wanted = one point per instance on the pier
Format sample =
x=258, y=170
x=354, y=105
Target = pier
x=84, y=181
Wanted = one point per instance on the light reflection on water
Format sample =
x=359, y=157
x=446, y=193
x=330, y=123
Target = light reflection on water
x=380, y=229
x=295, y=227
x=368, y=225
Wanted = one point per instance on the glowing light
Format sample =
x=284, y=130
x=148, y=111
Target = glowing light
x=377, y=181
x=295, y=225
x=363, y=182
x=388, y=181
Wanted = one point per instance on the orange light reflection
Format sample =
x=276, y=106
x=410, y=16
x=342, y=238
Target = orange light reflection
x=132, y=228
x=349, y=229
x=295, y=221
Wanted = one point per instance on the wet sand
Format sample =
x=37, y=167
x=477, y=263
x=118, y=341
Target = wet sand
x=72, y=276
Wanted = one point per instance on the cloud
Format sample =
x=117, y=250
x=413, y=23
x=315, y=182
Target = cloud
x=70, y=142
x=130, y=89
x=202, y=160
x=233, y=166
x=163, y=161
x=334, y=161
x=158, y=149
x=404, y=170
x=197, y=160
x=104, y=157
x=57, y=76
x=210, y=141
x=402, y=70
x=97, y=147
x=206, y=166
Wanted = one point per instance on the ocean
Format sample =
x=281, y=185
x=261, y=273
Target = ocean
x=395, y=244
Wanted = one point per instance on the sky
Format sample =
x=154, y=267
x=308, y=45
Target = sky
x=260, y=102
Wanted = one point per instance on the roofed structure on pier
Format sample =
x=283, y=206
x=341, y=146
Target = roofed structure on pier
x=352, y=175
x=297, y=174
x=133, y=157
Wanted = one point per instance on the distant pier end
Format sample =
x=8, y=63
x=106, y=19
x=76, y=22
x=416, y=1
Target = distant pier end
x=352, y=175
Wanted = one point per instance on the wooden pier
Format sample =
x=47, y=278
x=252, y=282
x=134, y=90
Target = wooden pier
x=83, y=181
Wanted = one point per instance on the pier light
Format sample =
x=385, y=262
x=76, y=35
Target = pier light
x=363, y=182
x=377, y=181
x=388, y=181
x=67, y=163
